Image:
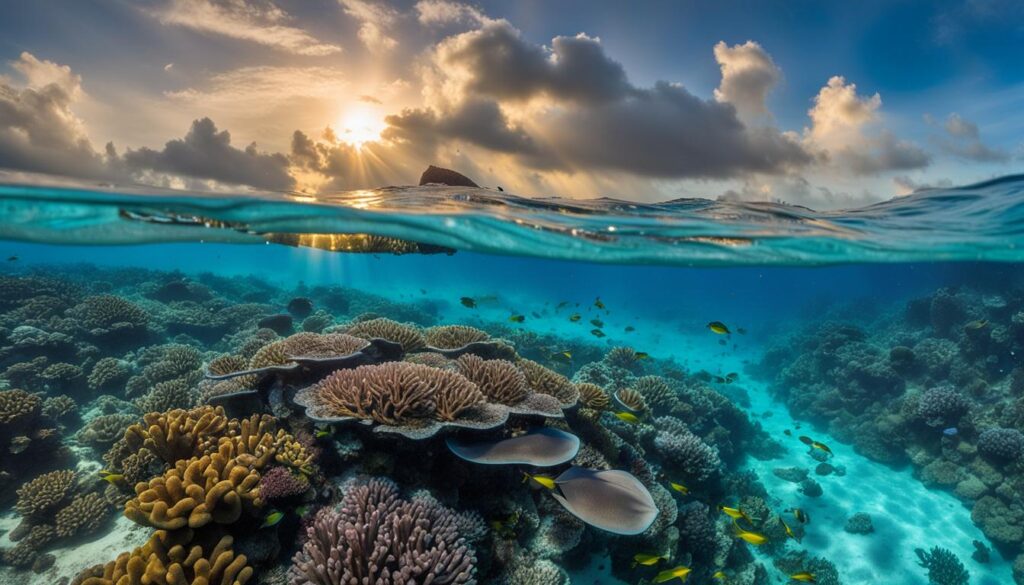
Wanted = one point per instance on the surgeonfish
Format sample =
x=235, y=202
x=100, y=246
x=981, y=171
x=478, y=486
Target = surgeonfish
x=647, y=560
x=628, y=417
x=272, y=518
x=680, y=573
x=718, y=327
x=803, y=577
x=543, y=480
x=679, y=488
x=468, y=302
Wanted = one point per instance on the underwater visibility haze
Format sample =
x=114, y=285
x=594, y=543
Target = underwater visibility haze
x=725, y=321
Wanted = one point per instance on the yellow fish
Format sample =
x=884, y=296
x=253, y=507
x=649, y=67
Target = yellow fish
x=642, y=355
x=800, y=516
x=789, y=531
x=111, y=478
x=548, y=482
x=517, y=318
x=718, y=327
x=627, y=417
x=272, y=518
x=575, y=317
x=718, y=575
x=735, y=513
x=647, y=560
x=679, y=487
x=751, y=537
x=803, y=577
x=680, y=573
x=321, y=433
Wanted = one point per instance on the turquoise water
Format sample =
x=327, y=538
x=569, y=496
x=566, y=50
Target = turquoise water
x=874, y=332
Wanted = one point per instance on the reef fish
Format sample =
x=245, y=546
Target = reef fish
x=814, y=444
x=542, y=447
x=800, y=515
x=575, y=317
x=543, y=480
x=272, y=518
x=628, y=417
x=735, y=513
x=517, y=318
x=612, y=500
x=597, y=322
x=680, y=573
x=647, y=560
x=679, y=487
x=468, y=302
x=718, y=575
x=642, y=355
x=976, y=325
x=112, y=478
x=951, y=432
x=597, y=333
x=789, y=531
x=321, y=433
x=752, y=537
x=598, y=303
x=718, y=327
x=803, y=577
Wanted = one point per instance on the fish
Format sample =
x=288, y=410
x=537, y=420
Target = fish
x=719, y=380
x=732, y=377
x=647, y=560
x=753, y=538
x=680, y=573
x=629, y=329
x=719, y=575
x=735, y=513
x=951, y=432
x=575, y=317
x=543, y=480
x=741, y=331
x=814, y=444
x=803, y=577
x=517, y=318
x=642, y=355
x=719, y=328
x=321, y=433
x=423, y=291
x=628, y=417
x=468, y=302
x=111, y=478
x=788, y=433
x=679, y=487
x=598, y=303
x=597, y=322
x=562, y=305
x=12, y=258
x=789, y=531
x=272, y=518
x=562, y=356
x=976, y=325
x=597, y=333
x=800, y=515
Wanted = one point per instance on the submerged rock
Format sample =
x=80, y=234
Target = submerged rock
x=859, y=523
x=442, y=176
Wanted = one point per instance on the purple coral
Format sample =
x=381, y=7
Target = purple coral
x=942, y=406
x=377, y=537
x=1001, y=444
x=279, y=483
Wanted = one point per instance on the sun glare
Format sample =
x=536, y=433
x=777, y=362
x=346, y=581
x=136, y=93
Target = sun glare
x=360, y=124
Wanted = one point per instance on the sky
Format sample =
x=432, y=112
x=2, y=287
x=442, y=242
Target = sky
x=824, y=104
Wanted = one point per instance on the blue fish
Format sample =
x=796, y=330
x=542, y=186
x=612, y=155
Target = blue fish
x=951, y=432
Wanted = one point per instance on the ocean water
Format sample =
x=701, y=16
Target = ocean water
x=263, y=388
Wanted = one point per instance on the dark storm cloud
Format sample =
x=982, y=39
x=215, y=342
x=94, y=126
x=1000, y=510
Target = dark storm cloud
x=205, y=153
x=962, y=139
x=480, y=122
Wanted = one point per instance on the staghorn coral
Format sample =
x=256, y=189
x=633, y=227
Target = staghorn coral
x=84, y=515
x=377, y=537
x=108, y=374
x=453, y=336
x=198, y=491
x=173, y=558
x=45, y=492
x=408, y=336
x=593, y=396
x=546, y=381
x=501, y=381
x=1005, y=445
x=104, y=430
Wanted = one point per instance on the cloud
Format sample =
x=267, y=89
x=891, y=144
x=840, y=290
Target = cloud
x=369, y=99
x=205, y=153
x=494, y=60
x=906, y=185
x=443, y=12
x=795, y=190
x=962, y=139
x=258, y=21
x=39, y=132
x=375, y=19
x=748, y=74
x=479, y=122
x=842, y=131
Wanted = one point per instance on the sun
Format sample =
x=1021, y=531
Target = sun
x=359, y=125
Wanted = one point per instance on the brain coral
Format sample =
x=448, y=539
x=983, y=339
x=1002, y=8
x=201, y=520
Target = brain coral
x=377, y=537
x=410, y=337
x=1001, y=444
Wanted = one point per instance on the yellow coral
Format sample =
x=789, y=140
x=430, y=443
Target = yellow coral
x=178, y=434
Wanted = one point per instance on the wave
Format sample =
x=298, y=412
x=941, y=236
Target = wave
x=984, y=221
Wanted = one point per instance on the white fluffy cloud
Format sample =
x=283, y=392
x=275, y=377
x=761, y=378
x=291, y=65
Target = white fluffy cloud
x=257, y=21
x=443, y=12
x=844, y=130
x=375, y=19
x=748, y=74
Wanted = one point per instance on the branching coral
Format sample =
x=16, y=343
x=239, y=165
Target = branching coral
x=943, y=567
x=106, y=314
x=18, y=409
x=104, y=430
x=168, y=395
x=408, y=336
x=84, y=515
x=45, y=492
x=546, y=381
x=685, y=451
x=178, y=434
x=279, y=483
x=173, y=558
x=657, y=392
x=593, y=396
x=60, y=407
x=623, y=357
x=453, y=336
x=109, y=373
x=377, y=537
